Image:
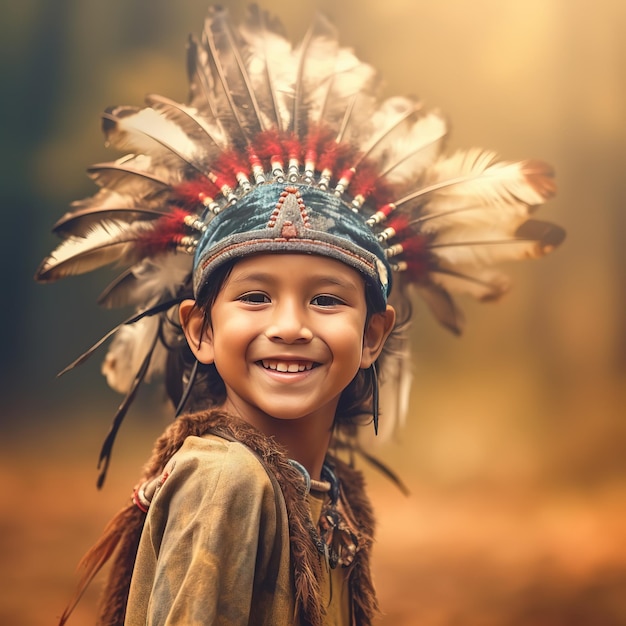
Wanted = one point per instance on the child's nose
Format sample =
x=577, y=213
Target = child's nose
x=289, y=324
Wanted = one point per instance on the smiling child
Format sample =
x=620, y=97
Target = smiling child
x=262, y=227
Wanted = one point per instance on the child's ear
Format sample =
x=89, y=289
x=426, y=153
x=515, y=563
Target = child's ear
x=376, y=332
x=198, y=333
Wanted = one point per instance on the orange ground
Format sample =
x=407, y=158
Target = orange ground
x=442, y=559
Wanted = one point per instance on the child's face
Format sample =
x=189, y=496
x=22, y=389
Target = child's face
x=288, y=334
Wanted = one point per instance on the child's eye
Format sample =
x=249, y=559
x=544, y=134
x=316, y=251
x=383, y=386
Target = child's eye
x=326, y=301
x=254, y=297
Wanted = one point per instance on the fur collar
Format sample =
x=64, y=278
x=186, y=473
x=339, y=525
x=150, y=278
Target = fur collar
x=305, y=557
x=122, y=534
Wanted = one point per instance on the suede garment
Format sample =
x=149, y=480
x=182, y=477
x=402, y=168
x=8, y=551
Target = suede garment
x=231, y=501
x=215, y=515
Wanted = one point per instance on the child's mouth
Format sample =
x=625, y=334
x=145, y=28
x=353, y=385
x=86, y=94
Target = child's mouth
x=290, y=367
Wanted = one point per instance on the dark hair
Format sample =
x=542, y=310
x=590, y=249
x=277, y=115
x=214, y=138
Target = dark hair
x=208, y=388
x=355, y=403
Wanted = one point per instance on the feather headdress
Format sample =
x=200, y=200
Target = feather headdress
x=274, y=133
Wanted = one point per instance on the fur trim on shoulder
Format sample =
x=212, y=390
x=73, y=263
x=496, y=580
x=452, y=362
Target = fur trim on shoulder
x=120, y=539
x=364, y=602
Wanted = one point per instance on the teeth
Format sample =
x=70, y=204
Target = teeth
x=284, y=366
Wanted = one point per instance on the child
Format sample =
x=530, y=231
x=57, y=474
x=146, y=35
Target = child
x=263, y=226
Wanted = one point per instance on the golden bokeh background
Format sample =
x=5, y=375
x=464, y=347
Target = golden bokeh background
x=515, y=450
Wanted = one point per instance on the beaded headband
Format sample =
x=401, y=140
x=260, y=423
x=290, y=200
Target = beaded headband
x=284, y=149
x=286, y=218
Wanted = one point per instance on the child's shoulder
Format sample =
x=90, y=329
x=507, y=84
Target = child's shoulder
x=212, y=486
x=212, y=463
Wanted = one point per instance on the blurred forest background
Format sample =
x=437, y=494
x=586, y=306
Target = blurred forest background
x=514, y=453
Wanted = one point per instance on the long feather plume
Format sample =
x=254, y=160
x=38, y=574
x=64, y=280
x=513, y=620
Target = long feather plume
x=390, y=120
x=80, y=223
x=107, y=446
x=406, y=159
x=151, y=310
x=134, y=174
x=110, y=198
x=316, y=61
x=148, y=131
x=161, y=276
x=442, y=306
x=483, y=285
x=269, y=59
x=107, y=242
x=231, y=74
x=100, y=554
x=191, y=122
x=476, y=175
x=202, y=94
x=491, y=250
x=351, y=81
x=128, y=351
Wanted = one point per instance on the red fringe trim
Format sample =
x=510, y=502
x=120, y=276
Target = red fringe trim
x=166, y=234
x=194, y=191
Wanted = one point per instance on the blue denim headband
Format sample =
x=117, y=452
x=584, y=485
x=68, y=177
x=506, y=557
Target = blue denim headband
x=292, y=218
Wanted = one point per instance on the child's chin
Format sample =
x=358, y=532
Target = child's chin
x=285, y=413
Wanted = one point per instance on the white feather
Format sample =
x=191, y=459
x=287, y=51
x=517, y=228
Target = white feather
x=105, y=243
x=416, y=149
x=445, y=215
x=159, y=276
x=475, y=175
x=271, y=67
x=349, y=78
x=150, y=132
x=388, y=121
x=127, y=352
x=477, y=251
x=395, y=388
x=104, y=198
x=209, y=134
x=134, y=174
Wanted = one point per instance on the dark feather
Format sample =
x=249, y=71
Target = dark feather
x=201, y=83
x=231, y=73
x=188, y=387
x=549, y=235
x=443, y=307
x=261, y=26
x=107, y=446
x=387, y=471
x=489, y=290
x=374, y=375
x=153, y=310
x=316, y=48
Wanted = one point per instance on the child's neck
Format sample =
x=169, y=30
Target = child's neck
x=306, y=443
x=306, y=439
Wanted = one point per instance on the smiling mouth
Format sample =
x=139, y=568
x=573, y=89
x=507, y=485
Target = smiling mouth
x=290, y=367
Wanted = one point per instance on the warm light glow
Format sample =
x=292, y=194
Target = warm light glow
x=514, y=450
